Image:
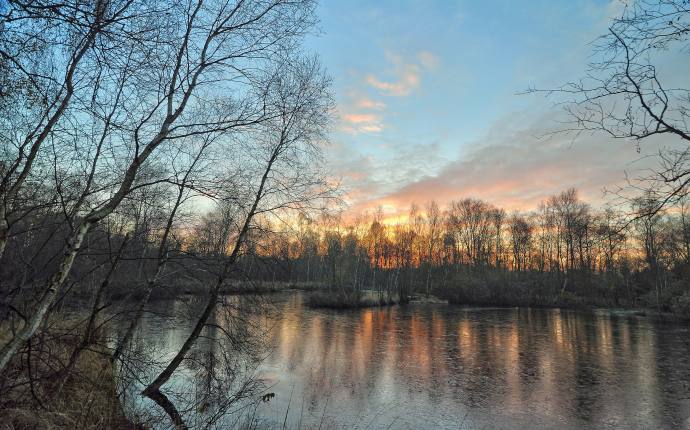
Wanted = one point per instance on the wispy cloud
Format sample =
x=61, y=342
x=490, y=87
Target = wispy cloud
x=404, y=76
x=367, y=103
x=408, y=81
x=362, y=112
x=516, y=170
x=354, y=123
x=361, y=118
x=428, y=60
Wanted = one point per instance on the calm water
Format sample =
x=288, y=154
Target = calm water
x=437, y=366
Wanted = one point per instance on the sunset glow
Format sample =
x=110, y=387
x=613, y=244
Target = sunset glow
x=438, y=115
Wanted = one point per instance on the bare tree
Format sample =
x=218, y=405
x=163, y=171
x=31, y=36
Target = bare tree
x=198, y=46
x=299, y=94
x=433, y=239
x=182, y=185
x=50, y=55
x=521, y=239
x=649, y=231
x=626, y=96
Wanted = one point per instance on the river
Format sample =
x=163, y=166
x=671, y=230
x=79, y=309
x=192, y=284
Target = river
x=437, y=366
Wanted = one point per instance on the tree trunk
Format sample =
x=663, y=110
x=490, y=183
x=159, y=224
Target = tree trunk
x=46, y=301
x=4, y=230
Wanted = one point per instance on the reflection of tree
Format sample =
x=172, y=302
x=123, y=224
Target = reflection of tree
x=217, y=383
x=492, y=364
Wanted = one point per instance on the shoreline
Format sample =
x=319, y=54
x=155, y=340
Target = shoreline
x=320, y=297
x=57, y=402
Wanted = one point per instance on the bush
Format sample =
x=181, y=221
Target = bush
x=502, y=288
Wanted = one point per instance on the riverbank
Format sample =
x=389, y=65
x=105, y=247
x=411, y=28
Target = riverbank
x=578, y=291
x=175, y=290
x=42, y=391
x=339, y=300
x=569, y=305
x=490, y=289
x=637, y=312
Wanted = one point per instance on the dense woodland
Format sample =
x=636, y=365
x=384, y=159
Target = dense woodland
x=563, y=253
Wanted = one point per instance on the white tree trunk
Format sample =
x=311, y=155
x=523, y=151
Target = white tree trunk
x=48, y=298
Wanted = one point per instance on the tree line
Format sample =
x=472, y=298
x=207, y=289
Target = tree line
x=566, y=249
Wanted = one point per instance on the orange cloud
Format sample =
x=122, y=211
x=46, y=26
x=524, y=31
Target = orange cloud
x=408, y=81
x=359, y=118
x=355, y=123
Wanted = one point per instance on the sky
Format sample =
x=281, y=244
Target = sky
x=429, y=103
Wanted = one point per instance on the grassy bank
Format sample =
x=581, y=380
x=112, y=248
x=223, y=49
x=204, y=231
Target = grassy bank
x=39, y=392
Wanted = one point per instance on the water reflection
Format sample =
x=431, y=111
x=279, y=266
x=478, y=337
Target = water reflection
x=436, y=366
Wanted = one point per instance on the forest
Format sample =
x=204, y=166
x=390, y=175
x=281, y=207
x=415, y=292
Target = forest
x=564, y=253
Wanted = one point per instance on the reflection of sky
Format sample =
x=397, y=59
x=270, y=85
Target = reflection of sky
x=435, y=366
x=427, y=100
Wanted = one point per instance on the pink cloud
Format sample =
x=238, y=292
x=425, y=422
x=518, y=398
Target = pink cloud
x=359, y=118
x=516, y=170
x=355, y=123
x=367, y=103
x=408, y=81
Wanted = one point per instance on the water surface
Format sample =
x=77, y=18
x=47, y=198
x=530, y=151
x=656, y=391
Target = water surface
x=437, y=366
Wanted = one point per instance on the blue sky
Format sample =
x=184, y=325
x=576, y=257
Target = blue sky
x=428, y=103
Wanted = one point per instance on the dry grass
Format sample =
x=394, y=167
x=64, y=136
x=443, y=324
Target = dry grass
x=42, y=396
